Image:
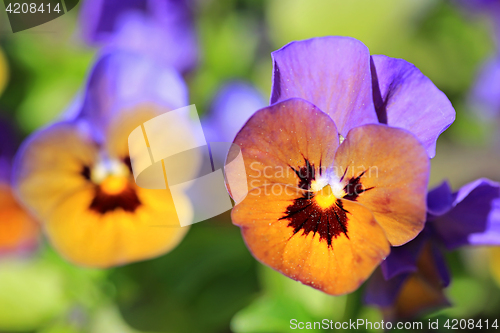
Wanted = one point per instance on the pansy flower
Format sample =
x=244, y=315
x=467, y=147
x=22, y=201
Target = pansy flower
x=18, y=230
x=75, y=175
x=163, y=29
x=337, y=167
x=411, y=280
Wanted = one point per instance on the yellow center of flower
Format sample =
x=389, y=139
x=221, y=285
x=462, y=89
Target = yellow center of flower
x=325, y=197
x=114, y=185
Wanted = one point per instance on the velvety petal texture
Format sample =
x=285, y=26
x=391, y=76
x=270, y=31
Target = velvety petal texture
x=338, y=75
x=325, y=215
x=406, y=98
x=391, y=167
x=331, y=72
x=286, y=139
x=306, y=251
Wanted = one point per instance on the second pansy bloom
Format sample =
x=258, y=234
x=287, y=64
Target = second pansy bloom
x=337, y=168
x=76, y=174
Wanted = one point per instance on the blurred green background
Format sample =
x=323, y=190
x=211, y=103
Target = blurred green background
x=210, y=282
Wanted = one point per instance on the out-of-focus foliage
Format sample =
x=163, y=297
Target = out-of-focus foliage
x=282, y=297
x=4, y=71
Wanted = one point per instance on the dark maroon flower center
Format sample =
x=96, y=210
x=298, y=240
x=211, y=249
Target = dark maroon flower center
x=308, y=215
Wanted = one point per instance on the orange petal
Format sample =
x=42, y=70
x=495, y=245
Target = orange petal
x=117, y=237
x=293, y=234
x=389, y=169
x=50, y=167
x=287, y=136
x=51, y=181
x=18, y=230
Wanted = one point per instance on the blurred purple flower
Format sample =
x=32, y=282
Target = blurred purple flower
x=470, y=216
x=485, y=95
x=162, y=29
x=8, y=146
x=339, y=76
x=490, y=8
x=76, y=176
x=18, y=231
x=232, y=106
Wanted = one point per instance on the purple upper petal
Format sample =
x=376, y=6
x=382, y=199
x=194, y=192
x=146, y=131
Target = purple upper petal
x=333, y=73
x=120, y=81
x=473, y=212
x=233, y=105
x=485, y=95
x=406, y=98
x=162, y=29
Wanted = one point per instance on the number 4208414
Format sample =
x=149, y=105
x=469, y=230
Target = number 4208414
x=24, y=8
x=462, y=324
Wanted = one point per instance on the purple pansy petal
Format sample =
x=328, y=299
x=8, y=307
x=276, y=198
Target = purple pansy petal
x=403, y=259
x=171, y=46
x=162, y=29
x=121, y=81
x=491, y=235
x=233, y=105
x=485, y=96
x=440, y=264
x=98, y=17
x=381, y=292
x=333, y=73
x=406, y=98
x=470, y=213
x=440, y=199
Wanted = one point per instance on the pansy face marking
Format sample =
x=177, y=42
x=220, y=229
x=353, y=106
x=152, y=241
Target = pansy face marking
x=323, y=212
x=76, y=176
x=112, y=187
